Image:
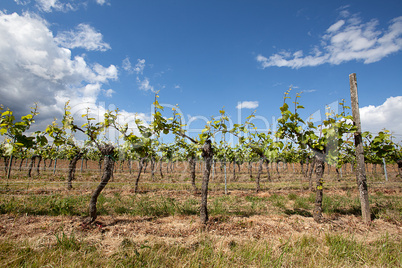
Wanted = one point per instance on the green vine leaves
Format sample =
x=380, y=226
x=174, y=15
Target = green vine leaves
x=325, y=139
x=15, y=131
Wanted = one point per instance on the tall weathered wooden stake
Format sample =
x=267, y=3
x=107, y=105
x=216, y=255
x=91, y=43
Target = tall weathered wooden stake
x=360, y=167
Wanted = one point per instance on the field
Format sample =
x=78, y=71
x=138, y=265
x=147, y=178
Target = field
x=41, y=222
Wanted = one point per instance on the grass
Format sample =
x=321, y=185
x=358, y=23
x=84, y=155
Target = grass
x=232, y=216
x=277, y=201
x=341, y=205
x=207, y=251
x=291, y=253
x=383, y=252
x=68, y=251
x=43, y=205
x=383, y=206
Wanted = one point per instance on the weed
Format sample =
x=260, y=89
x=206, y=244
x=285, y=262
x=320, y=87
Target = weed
x=277, y=200
x=301, y=203
x=292, y=196
x=67, y=242
x=218, y=207
x=341, y=205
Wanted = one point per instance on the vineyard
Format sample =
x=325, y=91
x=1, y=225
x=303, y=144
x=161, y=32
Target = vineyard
x=290, y=197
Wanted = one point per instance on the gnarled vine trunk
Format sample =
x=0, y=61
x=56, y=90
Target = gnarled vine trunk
x=160, y=167
x=250, y=169
x=100, y=166
x=301, y=167
x=399, y=162
x=320, y=167
x=267, y=168
x=310, y=169
x=141, y=165
x=31, y=164
x=21, y=163
x=277, y=169
x=71, y=170
x=152, y=168
x=257, y=179
x=5, y=158
x=107, y=151
x=191, y=162
x=234, y=170
x=38, y=166
x=9, y=166
x=207, y=154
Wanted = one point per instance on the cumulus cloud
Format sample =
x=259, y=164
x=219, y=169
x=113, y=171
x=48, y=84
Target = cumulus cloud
x=84, y=36
x=247, y=105
x=346, y=40
x=386, y=115
x=109, y=93
x=36, y=68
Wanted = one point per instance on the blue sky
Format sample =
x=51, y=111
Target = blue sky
x=202, y=55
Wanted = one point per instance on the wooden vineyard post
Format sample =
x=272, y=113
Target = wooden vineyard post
x=360, y=167
x=385, y=169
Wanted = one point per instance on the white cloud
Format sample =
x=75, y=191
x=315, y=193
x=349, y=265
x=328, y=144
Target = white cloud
x=84, y=36
x=35, y=68
x=247, y=105
x=102, y=2
x=309, y=90
x=104, y=74
x=22, y=2
x=109, y=93
x=345, y=40
x=144, y=84
x=386, y=115
x=59, y=5
x=138, y=68
x=56, y=5
x=336, y=26
x=126, y=65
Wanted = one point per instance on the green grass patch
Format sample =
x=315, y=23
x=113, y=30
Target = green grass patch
x=278, y=201
x=341, y=204
x=155, y=206
x=52, y=205
x=349, y=252
x=206, y=251
x=68, y=251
